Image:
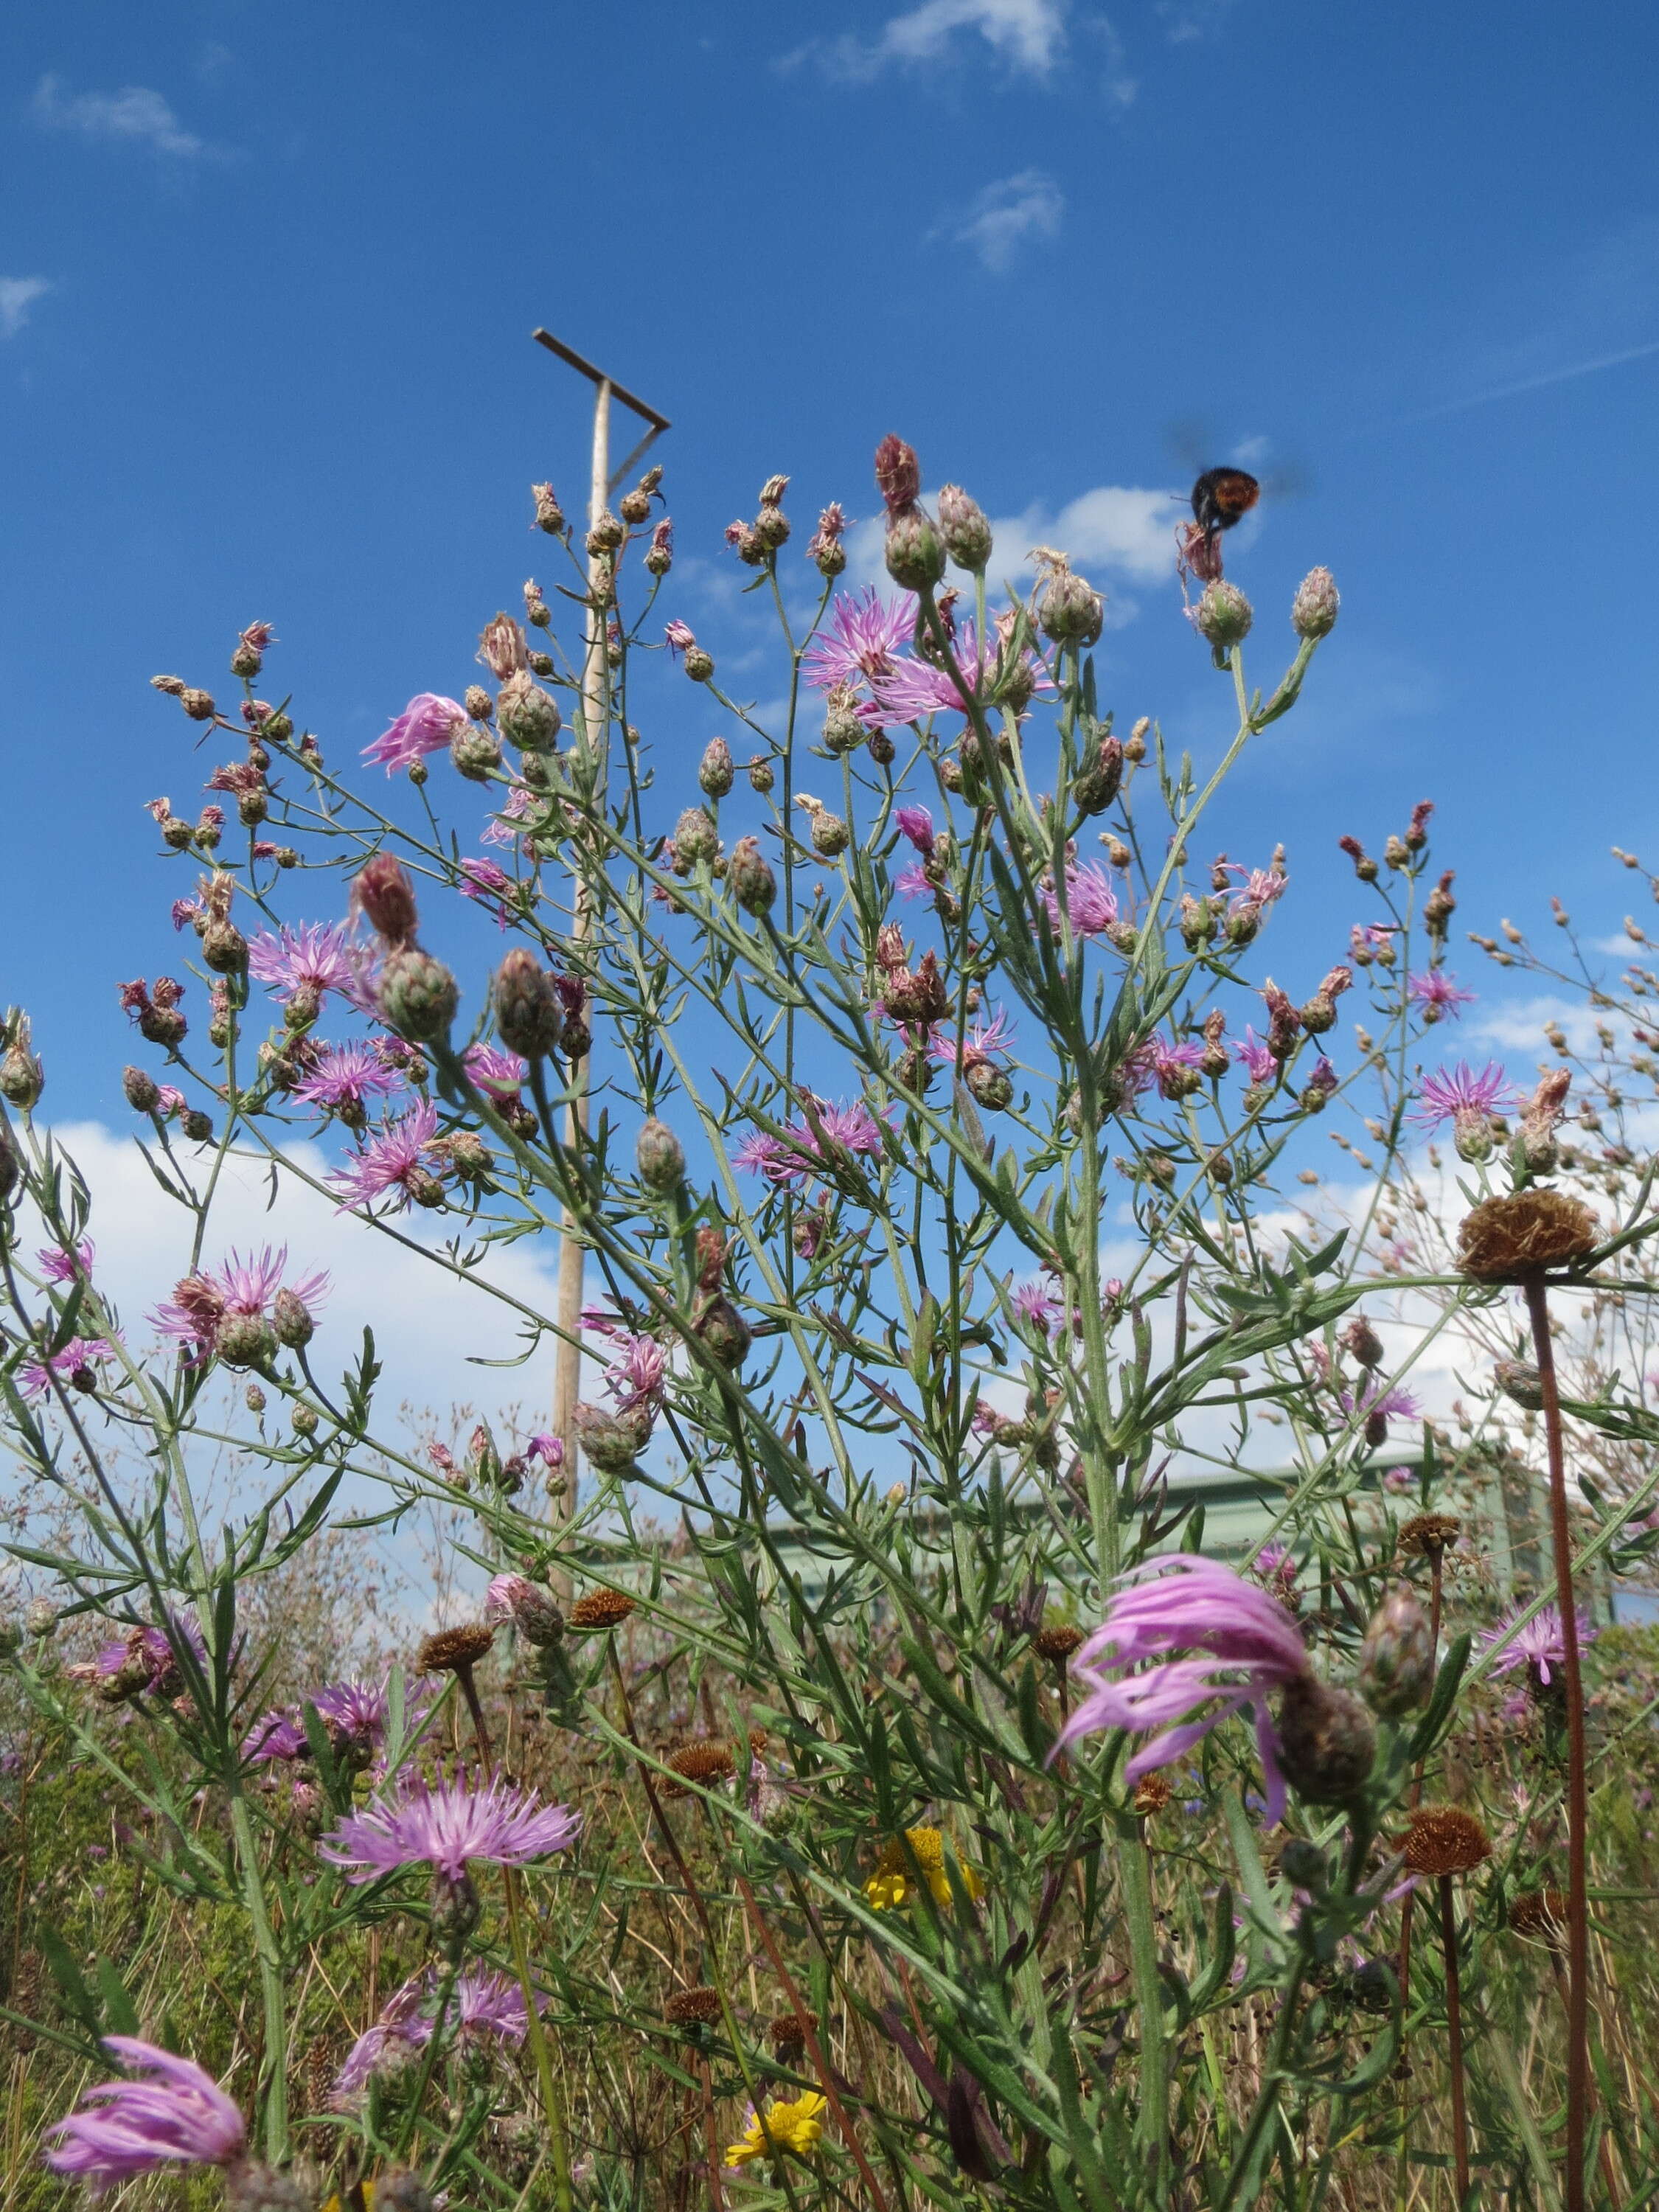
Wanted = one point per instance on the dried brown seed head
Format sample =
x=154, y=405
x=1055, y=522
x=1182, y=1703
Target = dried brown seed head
x=1540, y=1912
x=1056, y=1644
x=1426, y=1535
x=453, y=1650
x=1153, y=1794
x=1443, y=1839
x=1507, y=1239
x=698, y=2008
x=708, y=1759
x=787, y=2033
x=601, y=1608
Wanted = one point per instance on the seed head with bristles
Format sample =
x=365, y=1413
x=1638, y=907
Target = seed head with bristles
x=452, y=1650
x=1540, y=1912
x=706, y=1761
x=1426, y=1535
x=1507, y=1239
x=1443, y=1839
x=1057, y=1644
x=698, y=2008
x=601, y=1608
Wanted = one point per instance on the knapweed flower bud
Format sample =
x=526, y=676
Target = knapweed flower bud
x=198, y=705
x=699, y=665
x=550, y=516
x=913, y=554
x=989, y=1086
x=1327, y=1741
x=1363, y=866
x=142, y=1094
x=417, y=995
x=636, y=507
x=659, y=554
x=1439, y=906
x=527, y=716
x=1540, y=1118
x=383, y=893
x=1417, y=829
x=1395, y=852
x=660, y=1157
x=844, y=729
x=245, y=1340
x=715, y=772
x=695, y=837
x=1195, y=918
x=254, y=1399
x=750, y=875
x=830, y=835
x=528, y=1016
x=725, y=1331
x=1223, y=616
x=224, y=948
x=1070, y=611
x=963, y=527
x=22, y=1078
x=770, y=528
x=1519, y=1380
x=303, y=1419
x=612, y=1442
x=1361, y=1341
x=1313, y=609
x=173, y=686
x=606, y=534
x=40, y=1616
x=1396, y=1658
x=478, y=702
x=474, y=751
x=1095, y=785
x=292, y=1319
x=824, y=549
x=1303, y=1864
x=761, y=775
x=530, y=1608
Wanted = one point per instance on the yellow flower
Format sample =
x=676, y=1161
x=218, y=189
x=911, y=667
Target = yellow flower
x=789, y=2125
x=890, y=1883
x=347, y=2203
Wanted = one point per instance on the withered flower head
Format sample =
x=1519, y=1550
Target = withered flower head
x=1426, y=1535
x=1153, y=1794
x=787, y=2033
x=1057, y=1644
x=708, y=1760
x=698, y=2008
x=601, y=1608
x=453, y=1650
x=1443, y=1840
x=1506, y=1240
x=1540, y=1912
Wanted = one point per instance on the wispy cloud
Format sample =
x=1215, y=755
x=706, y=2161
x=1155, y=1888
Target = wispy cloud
x=1185, y=20
x=1538, y=383
x=1113, y=532
x=134, y=116
x=1029, y=35
x=1007, y=213
x=1119, y=86
x=17, y=296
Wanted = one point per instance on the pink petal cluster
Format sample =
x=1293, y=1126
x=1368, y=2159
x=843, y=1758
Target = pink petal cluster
x=1092, y=905
x=425, y=726
x=390, y=1157
x=862, y=642
x=315, y=958
x=175, y=2113
x=1184, y=1602
x=446, y=1825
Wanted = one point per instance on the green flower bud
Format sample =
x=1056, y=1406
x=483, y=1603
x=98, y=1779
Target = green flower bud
x=528, y=1015
x=660, y=1157
x=963, y=525
x=753, y=884
x=244, y=1340
x=474, y=751
x=715, y=772
x=1396, y=1659
x=527, y=716
x=418, y=995
x=1313, y=609
x=1327, y=1741
x=612, y=1442
x=1223, y=616
x=915, y=557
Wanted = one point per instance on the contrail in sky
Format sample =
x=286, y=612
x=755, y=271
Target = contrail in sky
x=1538, y=383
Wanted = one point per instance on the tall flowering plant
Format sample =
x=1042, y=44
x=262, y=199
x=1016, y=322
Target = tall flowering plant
x=938, y=1149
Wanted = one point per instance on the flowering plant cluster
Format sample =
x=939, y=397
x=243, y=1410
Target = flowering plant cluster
x=937, y=1806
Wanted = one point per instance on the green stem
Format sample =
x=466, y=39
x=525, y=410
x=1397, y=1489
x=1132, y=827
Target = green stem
x=275, y=2087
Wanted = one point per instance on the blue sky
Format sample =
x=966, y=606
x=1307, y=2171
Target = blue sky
x=267, y=278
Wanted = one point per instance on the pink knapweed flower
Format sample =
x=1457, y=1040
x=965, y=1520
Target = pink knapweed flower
x=1188, y=1603
x=636, y=1376
x=911, y=882
x=58, y=1266
x=1260, y=887
x=1538, y=1645
x=502, y=828
x=1039, y=1303
x=500, y=1074
x=390, y=1159
x=446, y=1826
x=1253, y=1057
x=862, y=642
x=1173, y=1063
x=241, y=1285
x=1090, y=905
x=915, y=823
x=488, y=884
x=982, y=1039
x=345, y=1075
x=681, y=637
x=426, y=725
x=549, y=1450
x=488, y=2006
x=75, y=1364
x=1438, y=994
x=313, y=959
x=1462, y=1093
x=174, y=2114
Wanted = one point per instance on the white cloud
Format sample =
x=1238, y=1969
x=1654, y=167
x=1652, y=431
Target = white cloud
x=1119, y=86
x=17, y=296
x=134, y=115
x=1028, y=34
x=427, y=1324
x=1008, y=213
x=1185, y=20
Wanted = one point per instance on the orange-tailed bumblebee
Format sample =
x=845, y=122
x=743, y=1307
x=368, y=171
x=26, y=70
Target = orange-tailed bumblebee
x=1222, y=497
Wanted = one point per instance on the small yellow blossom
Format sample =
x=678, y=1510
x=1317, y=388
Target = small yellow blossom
x=338, y=2203
x=790, y=2124
x=891, y=1882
